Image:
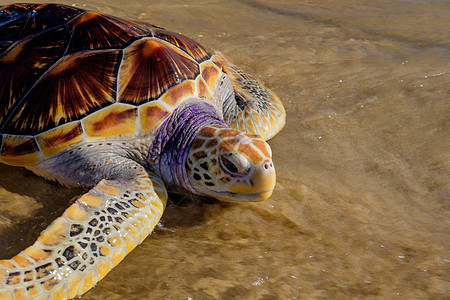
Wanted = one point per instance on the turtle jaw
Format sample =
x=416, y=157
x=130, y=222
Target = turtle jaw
x=232, y=197
x=257, y=186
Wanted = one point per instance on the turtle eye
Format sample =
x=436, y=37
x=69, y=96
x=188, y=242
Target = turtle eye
x=234, y=163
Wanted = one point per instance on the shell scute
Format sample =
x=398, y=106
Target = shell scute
x=92, y=31
x=202, y=88
x=151, y=67
x=60, y=138
x=20, y=20
x=48, y=15
x=151, y=115
x=19, y=150
x=116, y=121
x=194, y=49
x=67, y=75
x=16, y=8
x=22, y=64
x=74, y=87
x=12, y=20
x=178, y=93
x=210, y=73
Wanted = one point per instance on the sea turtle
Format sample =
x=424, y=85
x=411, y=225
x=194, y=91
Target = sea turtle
x=129, y=110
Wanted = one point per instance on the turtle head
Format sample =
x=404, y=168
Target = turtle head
x=230, y=165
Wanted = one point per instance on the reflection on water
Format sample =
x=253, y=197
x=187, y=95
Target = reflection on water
x=361, y=207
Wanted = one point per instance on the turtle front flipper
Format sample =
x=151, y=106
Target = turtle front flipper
x=92, y=236
x=254, y=108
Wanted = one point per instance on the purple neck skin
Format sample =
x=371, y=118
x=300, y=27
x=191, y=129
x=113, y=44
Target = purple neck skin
x=175, y=136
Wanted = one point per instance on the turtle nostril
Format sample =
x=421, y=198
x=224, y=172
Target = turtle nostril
x=268, y=165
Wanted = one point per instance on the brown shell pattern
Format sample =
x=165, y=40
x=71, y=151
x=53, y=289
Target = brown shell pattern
x=60, y=64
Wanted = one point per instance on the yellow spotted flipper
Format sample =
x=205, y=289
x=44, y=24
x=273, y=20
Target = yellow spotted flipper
x=254, y=109
x=92, y=236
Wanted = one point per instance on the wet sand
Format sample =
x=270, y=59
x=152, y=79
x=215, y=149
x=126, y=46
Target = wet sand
x=361, y=207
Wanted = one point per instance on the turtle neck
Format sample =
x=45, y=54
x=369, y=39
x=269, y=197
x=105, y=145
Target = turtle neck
x=175, y=136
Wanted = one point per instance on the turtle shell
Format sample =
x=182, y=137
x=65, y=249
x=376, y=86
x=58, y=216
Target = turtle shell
x=69, y=75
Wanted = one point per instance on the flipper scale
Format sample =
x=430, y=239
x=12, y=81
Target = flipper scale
x=254, y=108
x=91, y=237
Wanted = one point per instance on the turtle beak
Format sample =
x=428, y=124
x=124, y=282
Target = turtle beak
x=258, y=185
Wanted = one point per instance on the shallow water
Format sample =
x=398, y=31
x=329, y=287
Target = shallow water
x=361, y=207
